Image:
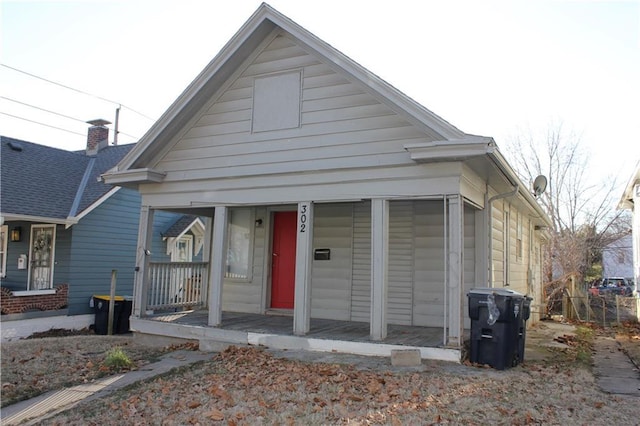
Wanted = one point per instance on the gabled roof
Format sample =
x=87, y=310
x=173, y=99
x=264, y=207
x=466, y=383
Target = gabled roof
x=180, y=226
x=260, y=25
x=39, y=182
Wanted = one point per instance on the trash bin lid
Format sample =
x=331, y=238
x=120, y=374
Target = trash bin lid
x=499, y=291
x=107, y=297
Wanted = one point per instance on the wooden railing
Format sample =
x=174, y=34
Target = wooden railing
x=176, y=285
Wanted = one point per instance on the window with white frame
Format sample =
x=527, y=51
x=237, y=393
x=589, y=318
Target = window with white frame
x=183, y=249
x=239, y=244
x=3, y=250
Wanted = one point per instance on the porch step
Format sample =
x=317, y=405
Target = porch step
x=405, y=357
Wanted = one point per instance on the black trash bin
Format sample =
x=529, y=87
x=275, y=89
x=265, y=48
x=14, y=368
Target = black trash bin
x=125, y=313
x=101, y=307
x=497, y=326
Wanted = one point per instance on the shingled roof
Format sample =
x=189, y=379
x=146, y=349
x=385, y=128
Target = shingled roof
x=43, y=182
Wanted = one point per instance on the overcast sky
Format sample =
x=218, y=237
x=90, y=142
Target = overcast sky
x=492, y=68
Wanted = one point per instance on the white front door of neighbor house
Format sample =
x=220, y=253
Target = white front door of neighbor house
x=42, y=252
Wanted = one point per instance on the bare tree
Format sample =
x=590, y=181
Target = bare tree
x=582, y=210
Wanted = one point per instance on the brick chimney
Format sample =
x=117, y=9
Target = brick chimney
x=97, y=136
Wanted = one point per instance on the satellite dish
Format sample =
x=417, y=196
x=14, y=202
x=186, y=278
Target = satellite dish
x=539, y=185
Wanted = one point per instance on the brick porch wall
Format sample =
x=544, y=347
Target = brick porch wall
x=10, y=304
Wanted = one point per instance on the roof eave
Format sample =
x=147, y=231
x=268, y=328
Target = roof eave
x=134, y=176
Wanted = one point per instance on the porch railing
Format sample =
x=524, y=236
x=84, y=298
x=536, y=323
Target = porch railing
x=176, y=285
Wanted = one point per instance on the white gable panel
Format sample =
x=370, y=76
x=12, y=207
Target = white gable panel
x=276, y=102
x=247, y=133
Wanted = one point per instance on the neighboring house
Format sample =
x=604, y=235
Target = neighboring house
x=629, y=200
x=617, y=258
x=63, y=231
x=335, y=202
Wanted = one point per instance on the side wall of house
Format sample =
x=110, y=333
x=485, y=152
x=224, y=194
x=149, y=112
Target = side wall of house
x=516, y=260
x=106, y=240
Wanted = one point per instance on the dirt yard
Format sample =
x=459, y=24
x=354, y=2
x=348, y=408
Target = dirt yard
x=254, y=386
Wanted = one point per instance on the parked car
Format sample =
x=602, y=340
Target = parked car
x=615, y=285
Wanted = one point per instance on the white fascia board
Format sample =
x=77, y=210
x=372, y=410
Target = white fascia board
x=194, y=88
x=448, y=150
x=39, y=219
x=369, y=80
x=133, y=176
x=93, y=206
x=508, y=172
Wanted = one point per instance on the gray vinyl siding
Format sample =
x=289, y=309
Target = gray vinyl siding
x=401, y=262
x=343, y=128
x=469, y=259
x=497, y=242
x=331, y=279
x=361, y=265
x=429, y=265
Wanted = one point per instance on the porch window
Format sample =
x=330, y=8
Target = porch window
x=3, y=250
x=239, y=246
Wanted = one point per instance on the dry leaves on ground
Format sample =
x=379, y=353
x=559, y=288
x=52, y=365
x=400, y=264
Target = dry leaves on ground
x=34, y=366
x=252, y=386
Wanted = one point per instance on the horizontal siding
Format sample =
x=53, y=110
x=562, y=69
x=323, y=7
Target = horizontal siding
x=361, y=265
x=429, y=265
x=331, y=279
x=401, y=259
x=342, y=127
x=106, y=240
x=469, y=259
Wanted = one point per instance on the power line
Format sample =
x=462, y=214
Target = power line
x=55, y=113
x=42, y=124
x=42, y=109
x=76, y=90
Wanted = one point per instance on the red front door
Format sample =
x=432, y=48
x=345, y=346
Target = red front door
x=283, y=253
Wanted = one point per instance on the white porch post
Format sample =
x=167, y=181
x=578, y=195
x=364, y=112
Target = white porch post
x=206, y=255
x=455, y=276
x=141, y=285
x=304, y=248
x=379, y=268
x=217, y=265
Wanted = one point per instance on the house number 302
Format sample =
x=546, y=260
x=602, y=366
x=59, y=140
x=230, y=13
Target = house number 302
x=303, y=218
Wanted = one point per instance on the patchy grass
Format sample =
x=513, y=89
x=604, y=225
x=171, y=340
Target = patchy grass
x=34, y=366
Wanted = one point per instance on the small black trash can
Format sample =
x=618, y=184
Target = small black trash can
x=497, y=327
x=101, y=307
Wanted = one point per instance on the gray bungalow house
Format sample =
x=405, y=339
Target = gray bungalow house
x=341, y=215
x=62, y=232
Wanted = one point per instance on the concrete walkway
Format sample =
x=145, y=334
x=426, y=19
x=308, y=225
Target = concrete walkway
x=51, y=403
x=613, y=369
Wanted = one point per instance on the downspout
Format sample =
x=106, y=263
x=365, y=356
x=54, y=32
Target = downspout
x=490, y=226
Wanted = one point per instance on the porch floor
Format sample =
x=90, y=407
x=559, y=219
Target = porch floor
x=282, y=325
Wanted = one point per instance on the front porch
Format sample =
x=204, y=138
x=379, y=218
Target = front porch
x=276, y=331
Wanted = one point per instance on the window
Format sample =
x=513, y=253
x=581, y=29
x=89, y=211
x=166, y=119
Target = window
x=239, y=246
x=3, y=250
x=183, y=250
